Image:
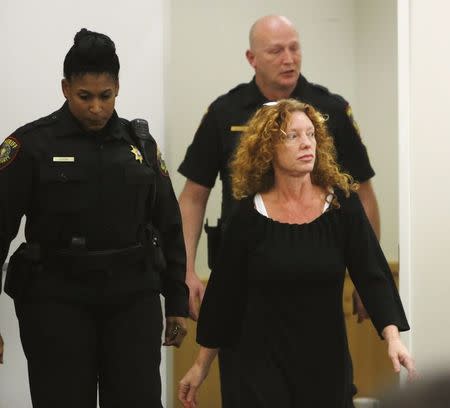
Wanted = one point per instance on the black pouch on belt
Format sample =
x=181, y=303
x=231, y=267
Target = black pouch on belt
x=22, y=264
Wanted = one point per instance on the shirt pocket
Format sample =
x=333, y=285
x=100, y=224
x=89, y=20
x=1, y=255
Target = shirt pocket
x=140, y=182
x=63, y=188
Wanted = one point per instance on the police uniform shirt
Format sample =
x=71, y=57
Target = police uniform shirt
x=73, y=183
x=220, y=128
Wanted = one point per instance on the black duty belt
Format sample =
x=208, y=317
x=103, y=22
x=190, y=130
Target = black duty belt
x=84, y=259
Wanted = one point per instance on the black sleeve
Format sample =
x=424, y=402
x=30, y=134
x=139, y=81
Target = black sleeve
x=166, y=217
x=223, y=305
x=202, y=160
x=352, y=153
x=15, y=192
x=369, y=270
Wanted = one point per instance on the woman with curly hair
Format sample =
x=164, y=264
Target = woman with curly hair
x=298, y=227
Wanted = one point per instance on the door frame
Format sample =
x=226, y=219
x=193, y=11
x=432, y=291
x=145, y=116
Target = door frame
x=404, y=161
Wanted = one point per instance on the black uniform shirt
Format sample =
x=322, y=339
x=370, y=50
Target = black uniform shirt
x=219, y=131
x=72, y=183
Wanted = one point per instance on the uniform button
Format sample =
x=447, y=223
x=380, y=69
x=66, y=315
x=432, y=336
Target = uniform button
x=63, y=177
x=54, y=117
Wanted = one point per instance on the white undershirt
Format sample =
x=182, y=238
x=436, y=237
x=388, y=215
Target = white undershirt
x=261, y=208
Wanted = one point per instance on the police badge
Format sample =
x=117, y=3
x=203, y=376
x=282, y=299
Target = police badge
x=137, y=153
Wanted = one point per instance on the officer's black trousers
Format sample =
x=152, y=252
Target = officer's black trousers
x=71, y=348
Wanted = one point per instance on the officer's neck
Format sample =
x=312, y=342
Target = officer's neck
x=272, y=93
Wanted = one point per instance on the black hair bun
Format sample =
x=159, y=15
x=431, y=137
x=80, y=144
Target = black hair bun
x=91, y=52
x=89, y=42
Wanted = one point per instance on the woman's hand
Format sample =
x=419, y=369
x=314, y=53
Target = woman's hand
x=398, y=353
x=187, y=388
x=400, y=356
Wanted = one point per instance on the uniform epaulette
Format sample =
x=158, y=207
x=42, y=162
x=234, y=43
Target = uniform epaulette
x=322, y=88
x=124, y=122
x=46, y=120
x=338, y=98
x=237, y=88
x=225, y=98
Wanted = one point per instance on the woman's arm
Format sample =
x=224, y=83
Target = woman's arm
x=187, y=389
x=369, y=269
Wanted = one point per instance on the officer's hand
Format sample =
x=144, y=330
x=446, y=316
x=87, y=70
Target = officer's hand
x=196, y=293
x=358, y=307
x=1, y=349
x=176, y=330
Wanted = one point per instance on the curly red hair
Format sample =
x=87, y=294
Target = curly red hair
x=251, y=166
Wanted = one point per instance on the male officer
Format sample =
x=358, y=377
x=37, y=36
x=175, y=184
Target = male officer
x=275, y=55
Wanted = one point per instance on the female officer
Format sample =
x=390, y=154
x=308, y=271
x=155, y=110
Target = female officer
x=104, y=239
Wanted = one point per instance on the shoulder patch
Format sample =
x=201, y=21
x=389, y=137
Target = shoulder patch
x=161, y=163
x=8, y=151
x=349, y=112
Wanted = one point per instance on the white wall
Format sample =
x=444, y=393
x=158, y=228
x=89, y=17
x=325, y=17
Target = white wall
x=376, y=107
x=429, y=168
x=35, y=38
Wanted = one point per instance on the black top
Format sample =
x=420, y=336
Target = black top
x=72, y=183
x=218, y=133
x=276, y=298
